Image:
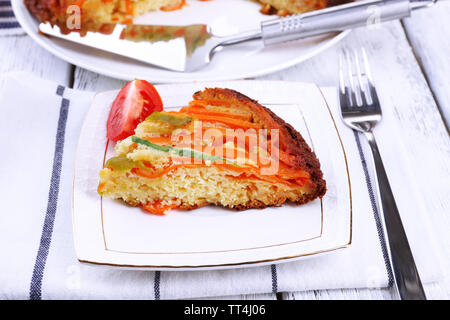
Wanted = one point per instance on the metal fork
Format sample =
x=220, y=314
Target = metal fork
x=361, y=111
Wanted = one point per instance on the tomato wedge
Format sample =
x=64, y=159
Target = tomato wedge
x=135, y=102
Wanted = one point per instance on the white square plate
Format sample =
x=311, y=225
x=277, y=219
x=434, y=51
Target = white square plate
x=111, y=233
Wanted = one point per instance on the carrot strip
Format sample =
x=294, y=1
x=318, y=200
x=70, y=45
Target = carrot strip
x=249, y=172
x=158, y=209
x=230, y=135
x=289, y=173
x=299, y=182
x=174, y=7
x=79, y=3
x=129, y=7
x=234, y=123
x=100, y=187
x=202, y=110
x=163, y=139
x=152, y=174
x=211, y=102
x=222, y=130
x=298, y=174
x=284, y=157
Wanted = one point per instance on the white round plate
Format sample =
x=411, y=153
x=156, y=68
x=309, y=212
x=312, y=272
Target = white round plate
x=223, y=16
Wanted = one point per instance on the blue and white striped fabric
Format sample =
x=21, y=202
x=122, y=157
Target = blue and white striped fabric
x=8, y=22
x=39, y=132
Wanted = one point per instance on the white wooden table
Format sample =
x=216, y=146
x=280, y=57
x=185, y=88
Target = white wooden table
x=411, y=62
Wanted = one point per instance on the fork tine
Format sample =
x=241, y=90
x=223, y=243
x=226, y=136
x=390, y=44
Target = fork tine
x=355, y=77
x=366, y=65
x=341, y=73
x=353, y=101
x=362, y=86
x=361, y=117
x=344, y=92
x=368, y=72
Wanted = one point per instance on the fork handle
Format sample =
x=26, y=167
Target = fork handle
x=338, y=18
x=407, y=278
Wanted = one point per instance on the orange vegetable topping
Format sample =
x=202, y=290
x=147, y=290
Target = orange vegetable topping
x=231, y=122
x=129, y=7
x=127, y=21
x=157, y=208
x=211, y=102
x=101, y=186
x=287, y=171
x=174, y=7
x=201, y=110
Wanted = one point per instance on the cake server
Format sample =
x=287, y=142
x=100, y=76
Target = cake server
x=189, y=48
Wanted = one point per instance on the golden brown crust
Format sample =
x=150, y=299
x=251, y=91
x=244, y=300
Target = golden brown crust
x=291, y=140
x=55, y=12
x=48, y=10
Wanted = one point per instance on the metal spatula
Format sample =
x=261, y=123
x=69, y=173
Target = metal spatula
x=190, y=48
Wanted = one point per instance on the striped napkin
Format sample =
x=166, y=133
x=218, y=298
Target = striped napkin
x=39, y=132
x=8, y=23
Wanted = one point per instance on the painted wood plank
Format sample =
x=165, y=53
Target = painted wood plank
x=409, y=106
x=344, y=294
x=428, y=31
x=267, y=296
x=90, y=81
x=21, y=53
x=434, y=291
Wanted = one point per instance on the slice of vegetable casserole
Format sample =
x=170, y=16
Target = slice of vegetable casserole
x=223, y=149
